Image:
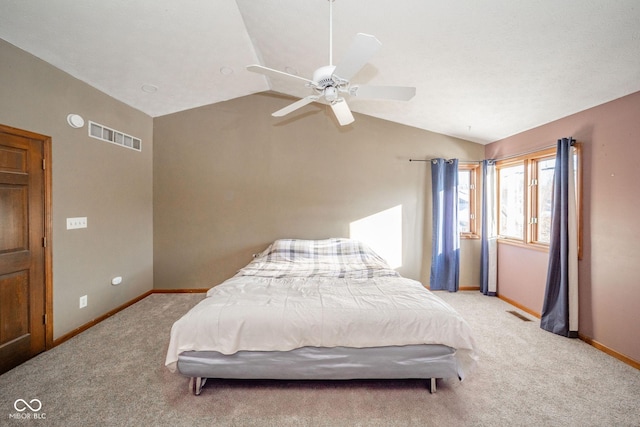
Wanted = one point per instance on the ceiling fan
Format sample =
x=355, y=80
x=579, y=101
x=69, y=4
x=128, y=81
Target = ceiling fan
x=332, y=81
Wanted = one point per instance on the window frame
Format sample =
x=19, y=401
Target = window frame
x=473, y=169
x=530, y=196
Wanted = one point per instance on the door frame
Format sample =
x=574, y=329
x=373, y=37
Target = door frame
x=48, y=225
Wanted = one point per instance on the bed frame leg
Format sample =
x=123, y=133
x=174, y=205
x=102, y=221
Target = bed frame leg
x=432, y=385
x=196, y=384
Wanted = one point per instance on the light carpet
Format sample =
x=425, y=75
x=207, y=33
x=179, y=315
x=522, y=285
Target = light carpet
x=113, y=375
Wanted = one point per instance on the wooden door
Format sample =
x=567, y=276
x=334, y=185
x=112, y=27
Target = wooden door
x=23, y=227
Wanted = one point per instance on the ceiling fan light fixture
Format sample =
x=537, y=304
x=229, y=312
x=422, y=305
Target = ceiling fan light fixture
x=331, y=94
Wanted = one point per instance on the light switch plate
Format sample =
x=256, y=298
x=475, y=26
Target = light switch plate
x=74, y=223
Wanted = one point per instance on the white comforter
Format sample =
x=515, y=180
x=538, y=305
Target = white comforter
x=280, y=314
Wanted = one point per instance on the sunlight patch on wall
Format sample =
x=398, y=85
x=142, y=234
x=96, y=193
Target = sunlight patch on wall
x=383, y=233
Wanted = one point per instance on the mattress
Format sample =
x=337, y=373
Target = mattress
x=339, y=363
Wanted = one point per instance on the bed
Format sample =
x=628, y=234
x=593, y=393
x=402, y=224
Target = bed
x=328, y=309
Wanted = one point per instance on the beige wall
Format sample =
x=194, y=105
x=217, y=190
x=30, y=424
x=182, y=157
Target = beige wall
x=608, y=272
x=229, y=179
x=110, y=185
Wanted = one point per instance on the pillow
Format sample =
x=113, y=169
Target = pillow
x=336, y=257
x=333, y=249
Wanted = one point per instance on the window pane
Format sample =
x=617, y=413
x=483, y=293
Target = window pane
x=464, y=201
x=96, y=130
x=545, y=198
x=512, y=201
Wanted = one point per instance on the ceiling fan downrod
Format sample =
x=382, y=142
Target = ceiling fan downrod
x=331, y=32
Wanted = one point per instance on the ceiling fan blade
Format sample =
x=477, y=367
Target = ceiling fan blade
x=296, y=105
x=270, y=72
x=362, y=48
x=399, y=93
x=342, y=112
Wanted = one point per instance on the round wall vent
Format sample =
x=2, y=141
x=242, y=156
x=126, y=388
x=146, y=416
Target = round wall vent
x=75, y=121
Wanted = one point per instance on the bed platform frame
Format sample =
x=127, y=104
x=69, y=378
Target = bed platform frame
x=428, y=361
x=197, y=383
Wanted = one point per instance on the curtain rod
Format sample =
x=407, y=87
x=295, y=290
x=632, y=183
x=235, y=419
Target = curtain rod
x=534, y=150
x=459, y=161
x=513, y=156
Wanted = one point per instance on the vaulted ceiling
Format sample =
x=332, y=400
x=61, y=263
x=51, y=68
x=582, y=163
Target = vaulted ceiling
x=484, y=70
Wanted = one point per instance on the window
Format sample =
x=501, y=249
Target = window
x=467, y=197
x=541, y=198
x=511, y=201
x=525, y=197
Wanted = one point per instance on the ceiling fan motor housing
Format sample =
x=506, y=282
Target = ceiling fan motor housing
x=323, y=76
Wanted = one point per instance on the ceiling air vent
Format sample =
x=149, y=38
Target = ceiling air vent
x=104, y=133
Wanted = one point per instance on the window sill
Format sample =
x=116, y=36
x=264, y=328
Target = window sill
x=469, y=236
x=534, y=246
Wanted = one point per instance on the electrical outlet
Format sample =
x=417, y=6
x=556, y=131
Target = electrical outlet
x=74, y=223
x=83, y=301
